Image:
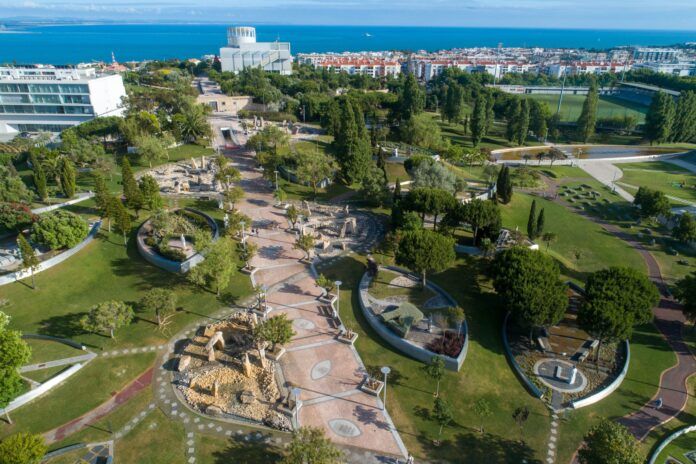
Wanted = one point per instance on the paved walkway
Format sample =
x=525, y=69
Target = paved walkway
x=607, y=174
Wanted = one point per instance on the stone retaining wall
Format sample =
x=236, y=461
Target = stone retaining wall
x=609, y=389
x=668, y=440
x=169, y=265
x=404, y=346
x=528, y=384
x=49, y=263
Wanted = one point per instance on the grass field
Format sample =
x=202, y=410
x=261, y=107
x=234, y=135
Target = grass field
x=154, y=440
x=606, y=108
x=485, y=375
x=396, y=171
x=215, y=450
x=671, y=179
x=581, y=247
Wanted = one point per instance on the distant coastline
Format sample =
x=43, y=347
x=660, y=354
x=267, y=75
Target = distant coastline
x=81, y=41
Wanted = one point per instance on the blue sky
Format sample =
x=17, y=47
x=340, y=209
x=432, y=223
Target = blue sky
x=602, y=14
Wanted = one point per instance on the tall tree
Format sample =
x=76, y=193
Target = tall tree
x=411, y=98
x=685, y=291
x=588, y=116
x=150, y=192
x=490, y=113
x=540, y=224
x=651, y=203
x=67, y=177
x=513, y=115
x=425, y=251
x=660, y=118
x=22, y=448
x=436, y=371
x=14, y=352
x=616, y=300
x=522, y=126
x=442, y=413
x=121, y=218
x=101, y=192
x=684, y=129
x=352, y=143
x=219, y=266
x=609, y=443
x=530, y=285
x=40, y=181
x=685, y=229
x=30, y=261
x=107, y=317
x=452, y=109
x=532, y=222
x=131, y=191
x=310, y=446
x=313, y=167
x=478, y=120
x=159, y=301
x=504, y=185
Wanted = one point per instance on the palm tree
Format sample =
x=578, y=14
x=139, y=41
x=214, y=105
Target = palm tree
x=192, y=123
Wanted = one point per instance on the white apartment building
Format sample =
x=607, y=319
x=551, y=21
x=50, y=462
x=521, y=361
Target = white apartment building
x=655, y=54
x=372, y=68
x=41, y=98
x=675, y=69
x=586, y=67
x=243, y=51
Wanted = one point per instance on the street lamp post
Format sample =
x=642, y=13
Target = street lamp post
x=276, y=179
x=243, y=225
x=385, y=370
x=338, y=296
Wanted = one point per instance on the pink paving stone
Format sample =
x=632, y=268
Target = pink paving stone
x=309, y=325
x=301, y=368
x=361, y=411
x=277, y=274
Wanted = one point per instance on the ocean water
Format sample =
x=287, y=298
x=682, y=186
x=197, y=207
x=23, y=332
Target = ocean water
x=79, y=43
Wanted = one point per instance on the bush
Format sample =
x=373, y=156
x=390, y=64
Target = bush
x=450, y=344
x=16, y=216
x=59, y=229
x=194, y=218
x=174, y=254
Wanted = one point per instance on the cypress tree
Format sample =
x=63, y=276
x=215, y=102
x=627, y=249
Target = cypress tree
x=478, y=120
x=684, y=129
x=660, y=118
x=588, y=117
x=490, y=114
x=397, y=191
x=29, y=259
x=67, y=178
x=540, y=223
x=40, y=181
x=504, y=185
x=532, y=221
x=101, y=194
x=523, y=122
x=131, y=191
x=513, y=118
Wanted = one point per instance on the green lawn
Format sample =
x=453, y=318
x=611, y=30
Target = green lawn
x=494, y=140
x=47, y=350
x=581, y=247
x=650, y=355
x=381, y=288
x=607, y=107
x=485, y=374
x=396, y=171
x=85, y=390
x=671, y=179
x=216, y=450
x=154, y=440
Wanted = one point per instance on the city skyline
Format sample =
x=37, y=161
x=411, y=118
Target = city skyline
x=554, y=14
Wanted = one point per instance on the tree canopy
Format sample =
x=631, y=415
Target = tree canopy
x=609, y=443
x=59, y=229
x=425, y=251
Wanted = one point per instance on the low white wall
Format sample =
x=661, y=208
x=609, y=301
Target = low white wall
x=40, y=390
x=599, y=396
x=80, y=197
x=49, y=263
x=668, y=440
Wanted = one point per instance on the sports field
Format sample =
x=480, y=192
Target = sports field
x=607, y=107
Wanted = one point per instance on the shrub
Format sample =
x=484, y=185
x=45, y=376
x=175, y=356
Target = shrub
x=59, y=229
x=174, y=254
x=276, y=116
x=450, y=344
x=16, y=216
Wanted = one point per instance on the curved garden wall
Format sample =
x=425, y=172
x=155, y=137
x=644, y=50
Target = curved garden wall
x=404, y=346
x=49, y=263
x=609, y=389
x=528, y=384
x=179, y=267
x=654, y=455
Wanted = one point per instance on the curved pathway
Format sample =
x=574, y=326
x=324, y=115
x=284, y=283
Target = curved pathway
x=669, y=320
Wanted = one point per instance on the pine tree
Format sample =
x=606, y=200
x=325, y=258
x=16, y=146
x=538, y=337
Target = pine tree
x=131, y=191
x=478, y=120
x=490, y=114
x=67, y=178
x=121, y=217
x=101, y=193
x=532, y=221
x=452, y=109
x=588, y=117
x=660, y=118
x=29, y=259
x=412, y=98
x=513, y=118
x=40, y=181
x=540, y=224
x=522, y=127
x=684, y=129
x=151, y=193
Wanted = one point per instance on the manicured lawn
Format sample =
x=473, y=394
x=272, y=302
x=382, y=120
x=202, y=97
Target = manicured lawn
x=305, y=192
x=43, y=375
x=650, y=355
x=46, y=350
x=607, y=107
x=561, y=172
x=106, y=270
x=581, y=247
x=216, y=450
x=154, y=440
x=494, y=140
x=671, y=179
x=381, y=287
x=82, y=392
x=396, y=171
x=485, y=375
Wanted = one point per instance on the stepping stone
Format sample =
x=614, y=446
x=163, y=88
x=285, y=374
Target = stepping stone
x=192, y=460
x=189, y=435
x=201, y=427
x=186, y=420
x=197, y=420
x=228, y=433
x=219, y=429
x=191, y=450
x=210, y=425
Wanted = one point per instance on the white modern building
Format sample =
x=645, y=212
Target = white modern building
x=243, y=51
x=40, y=98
